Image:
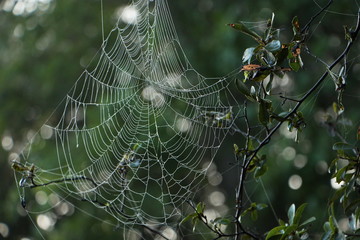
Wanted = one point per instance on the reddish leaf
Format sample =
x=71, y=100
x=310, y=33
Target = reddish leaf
x=250, y=67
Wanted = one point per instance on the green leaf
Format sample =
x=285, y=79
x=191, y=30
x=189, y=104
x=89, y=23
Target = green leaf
x=352, y=205
x=307, y=221
x=264, y=110
x=136, y=147
x=291, y=214
x=327, y=227
x=267, y=58
x=290, y=126
x=282, y=222
x=250, y=146
x=296, y=63
x=326, y=236
x=188, y=217
x=273, y=46
x=259, y=171
x=342, y=146
x=282, y=54
x=333, y=224
x=261, y=206
x=222, y=221
x=298, y=213
x=340, y=236
x=200, y=208
x=333, y=75
x=275, y=231
x=248, y=53
x=194, y=223
x=338, y=108
x=349, y=34
x=260, y=76
x=296, y=28
x=289, y=231
x=269, y=29
x=253, y=92
x=341, y=174
x=296, y=25
x=357, y=215
x=254, y=215
x=268, y=86
x=338, y=194
x=244, y=90
x=352, y=222
x=242, y=28
x=236, y=149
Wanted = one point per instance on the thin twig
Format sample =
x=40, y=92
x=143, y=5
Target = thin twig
x=249, y=157
x=241, y=184
x=62, y=180
x=309, y=92
x=242, y=177
x=290, y=99
x=352, y=234
x=307, y=50
x=155, y=231
x=204, y=220
x=307, y=26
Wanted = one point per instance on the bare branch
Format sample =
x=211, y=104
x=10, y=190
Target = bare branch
x=241, y=184
x=62, y=180
x=307, y=26
x=309, y=92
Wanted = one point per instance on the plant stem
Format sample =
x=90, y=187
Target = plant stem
x=62, y=180
x=248, y=158
x=266, y=140
x=240, y=190
x=307, y=26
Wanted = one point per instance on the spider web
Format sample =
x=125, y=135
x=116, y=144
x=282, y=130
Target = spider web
x=138, y=130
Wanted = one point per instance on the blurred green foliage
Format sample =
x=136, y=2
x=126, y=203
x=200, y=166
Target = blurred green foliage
x=44, y=52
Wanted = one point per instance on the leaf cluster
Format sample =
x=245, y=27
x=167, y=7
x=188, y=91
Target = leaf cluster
x=257, y=165
x=294, y=228
x=269, y=56
x=346, y=172
x=198, y=216
x=264, y=62
x=270, y=59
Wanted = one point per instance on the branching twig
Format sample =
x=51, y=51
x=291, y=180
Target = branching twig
x=249, y=156
x=309, y=92
x=62, y=180
x=307, y=50
x=307, y=26
x=287, y=98
x=241, y=184
x=205, y=221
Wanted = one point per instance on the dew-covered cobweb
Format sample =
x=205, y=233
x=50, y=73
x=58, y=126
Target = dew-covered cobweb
x=138, y=130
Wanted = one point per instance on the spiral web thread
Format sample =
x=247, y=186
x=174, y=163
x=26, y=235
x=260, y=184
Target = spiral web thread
x=136, y=134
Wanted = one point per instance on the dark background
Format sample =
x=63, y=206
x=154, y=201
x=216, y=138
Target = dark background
x=44, y=51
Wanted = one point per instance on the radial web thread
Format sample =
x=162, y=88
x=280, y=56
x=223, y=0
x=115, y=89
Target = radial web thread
x=139, y=128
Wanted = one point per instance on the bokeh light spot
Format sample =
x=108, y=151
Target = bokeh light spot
x=217, y=198
x=4, y=230
x=295, y=182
